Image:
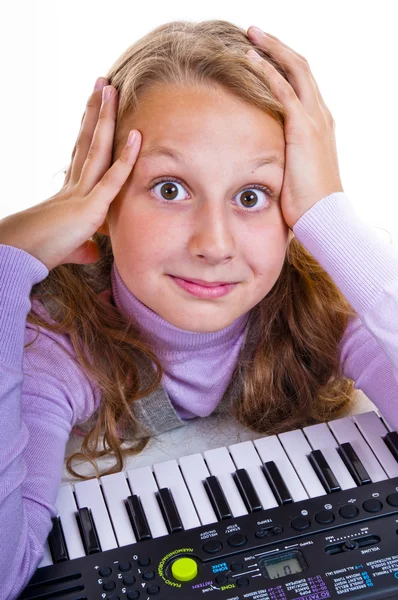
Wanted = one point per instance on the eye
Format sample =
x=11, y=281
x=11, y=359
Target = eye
x=249, y=199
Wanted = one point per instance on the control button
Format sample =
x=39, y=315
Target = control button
x=184, y=569
x=261, y=533
x=221, y=579
x=277, y=529
x=144, y=561
x=148, y=575
x=109, y=586
x=237, y=539
x=105, y=571
x=350, y=545
x=212, y=546
x=153, y=590
x=236, y=566
x=242, y=582
x=392, y=499
x=132, y=595
x=124, y=567
x=324, y=517
x=372, y=505
x=299, y=523
x=348, y=511
x=128, y=580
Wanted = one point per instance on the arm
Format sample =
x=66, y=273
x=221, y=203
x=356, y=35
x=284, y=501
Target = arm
x=365, y=269
x=364, y=361
x=37, y=412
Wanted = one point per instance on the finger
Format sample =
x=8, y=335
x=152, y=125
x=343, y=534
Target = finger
x=67, y=176
x=87, y=127
x=99, y=156
x=297, y=68
x=282, y=90
x=320, y=98
x=112, y=182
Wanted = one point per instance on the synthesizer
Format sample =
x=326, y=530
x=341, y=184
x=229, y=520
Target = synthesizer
x=308, y=514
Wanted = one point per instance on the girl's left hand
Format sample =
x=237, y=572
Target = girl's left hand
x=311, y=164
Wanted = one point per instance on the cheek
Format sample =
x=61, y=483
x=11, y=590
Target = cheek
x=265, y=250
x=145, y=241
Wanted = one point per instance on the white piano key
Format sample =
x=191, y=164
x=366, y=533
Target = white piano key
x=345, y=430
x=116, y=490
x=88, y=493
x=220, y=463
x=143, y=484
x=321, y=438
x=245, y=456
x=67, y=509
x=298, y=449
x=168, y=475
x=270, y=448
x=373, y=430
x=195, y=471
x=47, y=558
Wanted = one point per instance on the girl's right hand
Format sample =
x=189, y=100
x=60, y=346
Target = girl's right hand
x=57, y=230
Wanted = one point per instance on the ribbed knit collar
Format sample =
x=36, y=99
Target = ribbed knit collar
x=168, y=340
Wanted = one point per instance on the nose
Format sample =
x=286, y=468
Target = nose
x=213, y=238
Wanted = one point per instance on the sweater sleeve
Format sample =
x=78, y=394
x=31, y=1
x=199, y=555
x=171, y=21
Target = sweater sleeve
x=365, y=269
x=42, y=394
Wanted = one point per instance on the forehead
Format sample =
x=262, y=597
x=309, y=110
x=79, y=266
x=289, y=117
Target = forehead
x=173, y=120
x=156, y=153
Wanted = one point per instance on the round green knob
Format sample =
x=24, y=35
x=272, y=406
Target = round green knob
x=184, y=569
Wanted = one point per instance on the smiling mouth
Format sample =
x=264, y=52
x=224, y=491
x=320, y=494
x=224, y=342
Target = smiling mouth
x=205, y=283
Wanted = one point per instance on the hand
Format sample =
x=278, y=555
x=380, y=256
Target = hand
x=311, y=164
x=57, y=230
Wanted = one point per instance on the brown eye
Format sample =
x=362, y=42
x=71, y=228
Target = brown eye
x=248, y=199
x=169, y=190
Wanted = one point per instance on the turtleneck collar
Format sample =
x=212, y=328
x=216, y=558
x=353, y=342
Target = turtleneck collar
x=166, y=338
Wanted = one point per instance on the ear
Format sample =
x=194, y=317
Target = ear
x=291, y=236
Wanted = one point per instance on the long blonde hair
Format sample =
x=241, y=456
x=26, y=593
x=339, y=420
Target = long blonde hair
x=288, y=372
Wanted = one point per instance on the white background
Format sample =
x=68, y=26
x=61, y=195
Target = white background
x=52, y=51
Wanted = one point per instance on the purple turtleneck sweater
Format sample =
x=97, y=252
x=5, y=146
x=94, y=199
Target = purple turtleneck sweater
x=44, y=393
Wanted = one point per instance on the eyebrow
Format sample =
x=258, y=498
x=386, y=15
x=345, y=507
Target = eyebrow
x=178, y=157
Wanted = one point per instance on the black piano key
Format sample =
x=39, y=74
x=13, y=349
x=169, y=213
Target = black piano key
x=169, y=510
x=324, y=472
x=353, y=464
x=391, y=441
x=56, y=541
x=138, y=518
x=88, y=531
x=276, y=483
x=247, y=490
x=217, y=498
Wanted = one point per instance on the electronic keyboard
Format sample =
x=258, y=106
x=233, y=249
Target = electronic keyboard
x=308, y=514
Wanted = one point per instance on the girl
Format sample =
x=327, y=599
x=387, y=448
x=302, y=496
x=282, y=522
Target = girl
x=100, y=330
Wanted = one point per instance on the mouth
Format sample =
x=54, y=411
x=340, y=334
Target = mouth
x=205, y=283
x=207, y=291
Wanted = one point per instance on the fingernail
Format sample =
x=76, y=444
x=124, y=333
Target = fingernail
x=99, y=84
x=106, y=93
x=255, y=30
x=252, y=54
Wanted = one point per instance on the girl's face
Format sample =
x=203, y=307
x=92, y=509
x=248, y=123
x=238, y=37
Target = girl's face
x=213, y=224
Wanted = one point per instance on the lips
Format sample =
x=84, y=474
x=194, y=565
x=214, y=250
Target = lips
x=205, y=283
